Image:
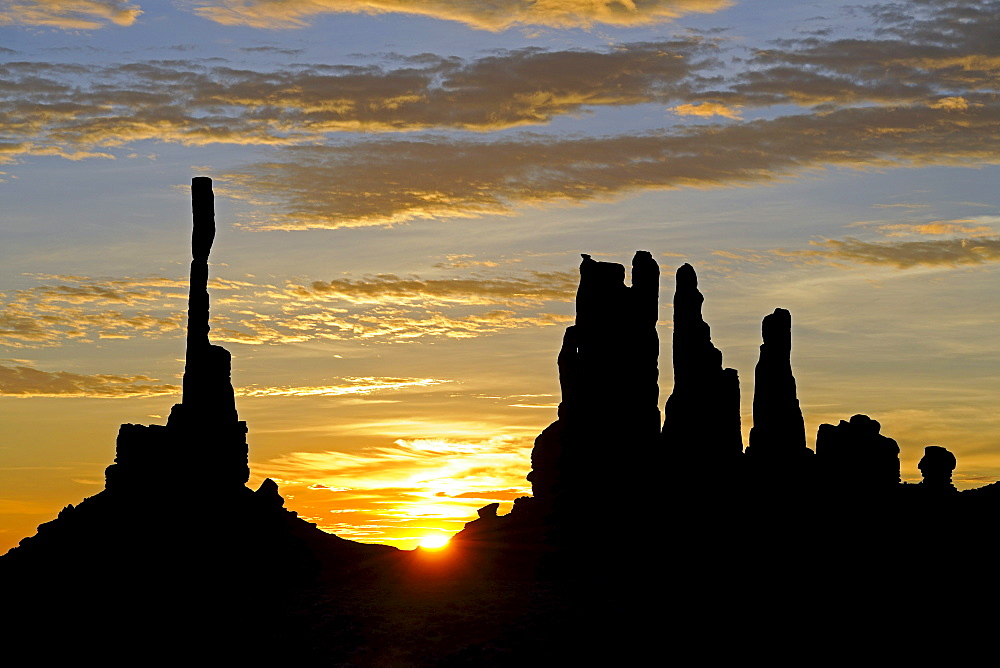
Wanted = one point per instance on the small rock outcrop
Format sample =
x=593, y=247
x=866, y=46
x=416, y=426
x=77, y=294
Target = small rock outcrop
x=854, y=456
x=936, y=466
x=701, y=419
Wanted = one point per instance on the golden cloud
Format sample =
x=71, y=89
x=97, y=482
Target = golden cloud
x=481, y=14
x=935, y=228
x=707, y=110
x=391, y=289
x=68, y=14
x=348, y=386
x=389, y=181
x=383, y=307
x=905, y=254
x=67, y=110
x=17, y=380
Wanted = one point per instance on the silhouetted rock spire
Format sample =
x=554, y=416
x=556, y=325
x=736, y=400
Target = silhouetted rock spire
x=206, y=418
x=608, y=375
x=778, y=428
x=207, y=386
x=701, y=419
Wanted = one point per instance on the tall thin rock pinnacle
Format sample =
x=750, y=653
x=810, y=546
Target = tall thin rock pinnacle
x=701, y=419
x=778, y=428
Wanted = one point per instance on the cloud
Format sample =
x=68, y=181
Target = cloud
x=68, y=14
x=482, y=14
x=83, y=111
x=17, y=380
x=921, y=50
x=383, y=307
x=348, y=386
x=905, y=254
x=491, y=495
x=934, y=228
x=534, y=288
x=706, y=110
x=390, y=181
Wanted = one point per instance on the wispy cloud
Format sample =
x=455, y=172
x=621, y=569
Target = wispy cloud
x=534, y=288
x=68, y=14
x=482, y=14
x=921, y=50
x=937, y=227
x=388, y=181
x=347, y=386
x=383, y=307
x=904, y=254
x=18, y=380
x=80, y=111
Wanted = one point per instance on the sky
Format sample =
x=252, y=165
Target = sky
x=403, y=191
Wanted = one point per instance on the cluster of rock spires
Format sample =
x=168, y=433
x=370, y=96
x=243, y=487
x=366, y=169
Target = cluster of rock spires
x=607, y=436
x=776, y=523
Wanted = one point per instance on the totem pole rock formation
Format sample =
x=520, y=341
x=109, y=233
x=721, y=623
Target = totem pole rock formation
x=854, y=456
x=701, y=419
x=608, y=375
x=778, y=431
x=206, y=417
x=158, y=516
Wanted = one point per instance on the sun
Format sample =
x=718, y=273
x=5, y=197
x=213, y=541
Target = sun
x=434, y=542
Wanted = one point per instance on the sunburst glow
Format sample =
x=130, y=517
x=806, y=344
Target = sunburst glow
x=434, y=542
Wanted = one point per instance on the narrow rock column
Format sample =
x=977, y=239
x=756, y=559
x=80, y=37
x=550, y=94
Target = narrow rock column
x=778, y=428
x=701, y=419
x=202, y=235
x=206, y=420
x=207, y=412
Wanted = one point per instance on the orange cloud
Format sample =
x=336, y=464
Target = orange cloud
x=707, y=109
x=936, y=227
x=348, y=386
x=481, y=14
x=18, y=380
x=68, y=14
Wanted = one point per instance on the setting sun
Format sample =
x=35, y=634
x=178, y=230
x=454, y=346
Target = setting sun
x=434, y=542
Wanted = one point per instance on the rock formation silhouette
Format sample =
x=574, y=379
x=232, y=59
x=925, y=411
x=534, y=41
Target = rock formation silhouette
x=158, y=553
x=608, y=418
x=936, y=467
x=778, y=432
x=759, y=554
x=701, y=420
x=853, y=455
